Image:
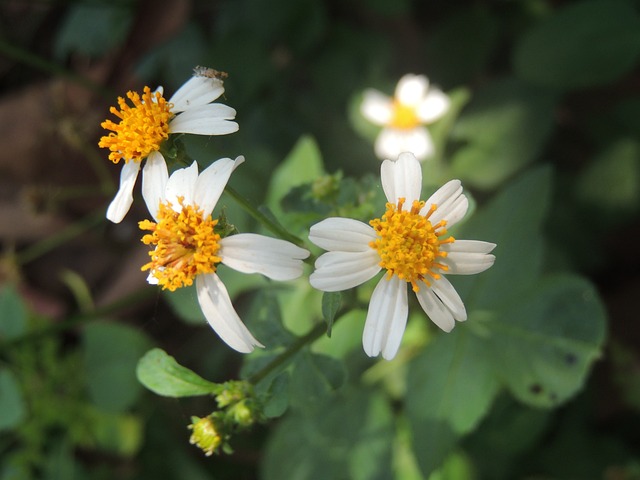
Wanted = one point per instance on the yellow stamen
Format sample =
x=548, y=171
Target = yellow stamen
x=186, y=245
x=142, y=128
x=408, y=244
x=404, y=116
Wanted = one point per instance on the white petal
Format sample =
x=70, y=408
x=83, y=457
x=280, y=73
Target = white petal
x=211, y=182
x=451, y=189
x=337, y=271
x=433, y=106
x=402, y=179
x=376, y=107
x=411, y=89
x=469, y=246
x=196, y=91
x=435, y=309
x=272, y=257
x=447, y=293
x=218, y=310
x=451, y=211
x=386, y=318
x=211, y=119
x=392, y=141
x=451, y=202
x=342, y=234
x=463, y=263
x=121, y=203
x=154, y=182
x=182, y=183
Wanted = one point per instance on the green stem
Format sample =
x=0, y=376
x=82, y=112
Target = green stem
x=50, y=243
x=35, y=61
x=316, y=332
x=271, y=225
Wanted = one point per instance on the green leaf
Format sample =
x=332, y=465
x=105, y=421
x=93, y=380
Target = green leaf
x=450, y=387
x=510, y=431
x=350, y=436
x=111, y=352
x=12, y=408
x=60, y=463
x=277, y=396
x=544, y=345
x=585, y=44
x=314, y=379
x=93, y=29
x=331, y=303
x=266, y=319
x=502, y=129
x=13, y=314
x=513, y=220
x=302, y=165
x=611, y=182
x=161, y=374
x=118, y=433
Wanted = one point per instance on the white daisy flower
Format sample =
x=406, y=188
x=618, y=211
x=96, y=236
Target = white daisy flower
x=188, y=249
x=413, y=247
x=149, y=122
x=403, y=117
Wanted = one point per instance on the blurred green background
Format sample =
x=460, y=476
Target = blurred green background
x=542, y=382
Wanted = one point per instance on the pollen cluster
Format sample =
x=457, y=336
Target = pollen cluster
x=185, y=245
x=142, y=128
x=403, y=117
x=408, y=244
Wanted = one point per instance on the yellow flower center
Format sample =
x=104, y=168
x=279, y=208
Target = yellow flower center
x=404, y=117
x=142, y=128
x=408, y=244
x=186, y=245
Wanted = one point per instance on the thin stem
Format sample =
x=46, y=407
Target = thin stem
x=272, y=226
x=316, y=332
x=50, y=243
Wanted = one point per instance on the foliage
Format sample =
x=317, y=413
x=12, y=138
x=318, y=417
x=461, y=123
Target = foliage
x=542, y=380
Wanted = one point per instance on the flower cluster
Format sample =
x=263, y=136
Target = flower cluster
x=187, y=247
x=409, y=242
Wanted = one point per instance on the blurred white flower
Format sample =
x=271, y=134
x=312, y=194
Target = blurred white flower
x=188, y=249
x=412, y=245
x=145, y=125
x=404, y=116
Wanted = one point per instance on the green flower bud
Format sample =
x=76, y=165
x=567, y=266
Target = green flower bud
x=206, y=434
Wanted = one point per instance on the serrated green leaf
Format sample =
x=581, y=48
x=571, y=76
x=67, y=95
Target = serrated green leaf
x=513, y=220
x=314, y=379
x=503, y=128
x=331, y=303
x=277, y=396
x=162, y=374
x=12, y=408
x=450, y=387
x=13, y=314
x=111, y=352
x=544, y=345
x=348, y=437
x=585, y=44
